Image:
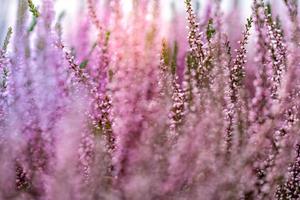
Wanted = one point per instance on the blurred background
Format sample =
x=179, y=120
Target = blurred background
x=8, y=9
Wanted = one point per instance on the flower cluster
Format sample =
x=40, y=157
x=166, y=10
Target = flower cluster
x=128, y=105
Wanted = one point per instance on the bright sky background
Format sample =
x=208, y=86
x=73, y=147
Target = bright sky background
x=8, y=9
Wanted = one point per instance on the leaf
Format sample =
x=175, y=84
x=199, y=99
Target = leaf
x=107, y=37
x=7, y=39
x=33, y=9
x=249, y=22
x=269, y=9
x=174, y=58
x=210, y=31
x=33, y=24
x=165, y=53
x=83, y=64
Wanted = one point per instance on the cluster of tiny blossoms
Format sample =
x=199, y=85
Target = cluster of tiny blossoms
x=129, y=106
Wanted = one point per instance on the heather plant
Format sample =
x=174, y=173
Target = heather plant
x=129, y=105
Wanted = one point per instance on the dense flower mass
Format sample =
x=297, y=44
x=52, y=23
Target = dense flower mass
x=130, y=106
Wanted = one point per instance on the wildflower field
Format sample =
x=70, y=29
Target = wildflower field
x=128, y=105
